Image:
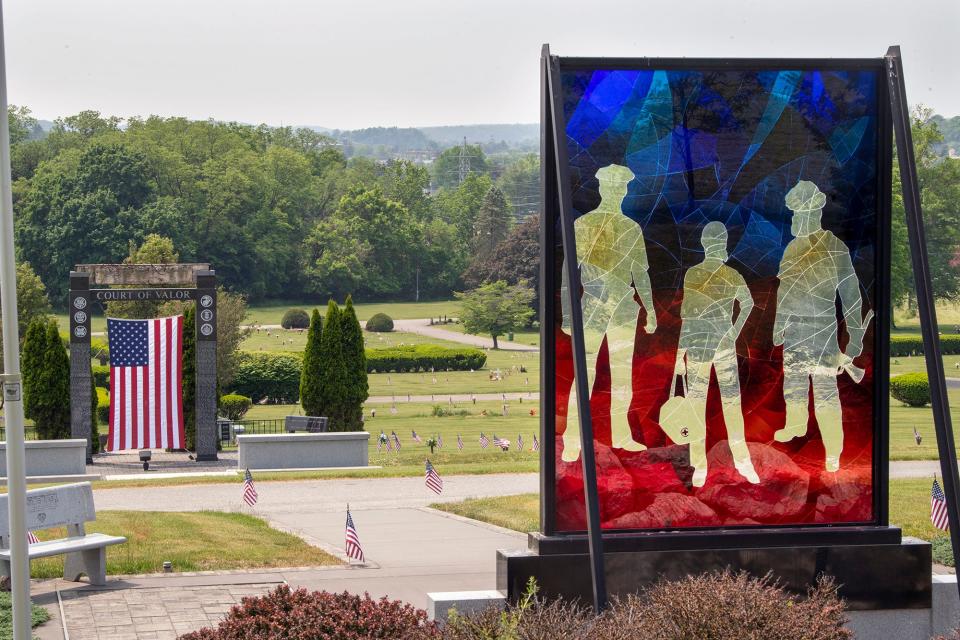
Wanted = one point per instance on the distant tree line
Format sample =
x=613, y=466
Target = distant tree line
x=279, y=212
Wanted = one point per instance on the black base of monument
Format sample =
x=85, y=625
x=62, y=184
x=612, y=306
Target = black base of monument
x=877, y=571
x=207, y=457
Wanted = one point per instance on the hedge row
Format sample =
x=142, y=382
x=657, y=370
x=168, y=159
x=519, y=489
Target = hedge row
x=424, y=357
x=911, y=389
x=902, y=346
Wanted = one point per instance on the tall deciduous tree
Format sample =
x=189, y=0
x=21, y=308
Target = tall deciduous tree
x=311, y=375
x=356, y=387
x=333, y=382
x=496, y=308
x=492, y=225
x=516, y=259
x=32, y=302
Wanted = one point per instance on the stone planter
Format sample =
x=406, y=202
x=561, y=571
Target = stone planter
x=303, y=450
x=51, y=457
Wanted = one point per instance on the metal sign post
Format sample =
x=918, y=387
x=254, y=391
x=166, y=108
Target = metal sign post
x=12, y=396
x=925, y=302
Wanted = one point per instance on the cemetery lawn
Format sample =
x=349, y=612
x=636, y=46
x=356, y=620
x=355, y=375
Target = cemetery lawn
x=531, y=336
x=197, y=541
x=909, y=509
x=903, y=419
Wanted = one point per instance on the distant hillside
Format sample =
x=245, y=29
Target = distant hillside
x=950, y=128
x=515, y=135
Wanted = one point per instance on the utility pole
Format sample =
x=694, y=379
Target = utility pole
x=464, y=162
x=12, y=391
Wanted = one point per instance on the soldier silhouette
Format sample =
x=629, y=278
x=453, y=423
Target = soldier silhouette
x=815, y=267
x=708, y=341
x=613, y=265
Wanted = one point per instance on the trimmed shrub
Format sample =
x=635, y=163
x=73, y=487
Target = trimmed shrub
x=331, y=391
x=423, y=357
x=274, y=377
x=942, y=551
x=356, y=386
x=101, y=376
x=295, y=319
x=301, y=615
x=46, y=380
x=902, y=346
x=912, y=389
x=235, y=406
x=103, y=405
x=380, y=323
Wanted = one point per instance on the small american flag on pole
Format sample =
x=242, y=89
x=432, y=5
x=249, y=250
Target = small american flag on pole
x=484, y=441
x=938, y=507
x=249, y=491
x=416, y=438
x=354, y=550
x=519, y=443
x=536, y=443
x=439, y=441
x=396, y=440
x=380, y=440
x=32, y=538
x=146, y=409
x=503, y=443
x=459, y=442
x=433, y=481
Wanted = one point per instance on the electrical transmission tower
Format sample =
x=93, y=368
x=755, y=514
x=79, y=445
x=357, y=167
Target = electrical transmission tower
x=464, y=162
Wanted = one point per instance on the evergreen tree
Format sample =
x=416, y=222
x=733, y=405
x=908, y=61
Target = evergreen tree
x=332, y=383
x=356, y=387
x=94, y=403
x=32, y=361
x=50, y=405
x=189, y=379
x=312, y=373
x=492, y=224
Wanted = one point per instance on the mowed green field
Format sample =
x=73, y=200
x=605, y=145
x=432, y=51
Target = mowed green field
x=296, y=340
x=448, y=459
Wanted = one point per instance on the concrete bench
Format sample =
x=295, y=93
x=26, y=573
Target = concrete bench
x=303, y=450
x=70, y=506
x=308, y=424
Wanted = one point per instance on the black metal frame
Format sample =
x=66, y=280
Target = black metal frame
x=925, y=302
x=555, y=181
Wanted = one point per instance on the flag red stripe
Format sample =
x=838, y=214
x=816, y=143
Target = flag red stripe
x=168, y=374
x=155, y=438
x=113, y=399
x=178, y=434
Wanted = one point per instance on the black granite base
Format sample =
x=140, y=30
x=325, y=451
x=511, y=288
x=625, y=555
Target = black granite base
x=870, y=576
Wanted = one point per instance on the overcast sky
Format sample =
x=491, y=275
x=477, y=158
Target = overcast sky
x=361, y=63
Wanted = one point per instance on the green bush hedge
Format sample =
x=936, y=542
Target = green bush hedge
x=423, y=357
x=101, y=375
x=902, y=346
x=911, y=389
x=271, y=376
x=295, y=319
x=103, y=405
x=380, y=323
x=235, y=406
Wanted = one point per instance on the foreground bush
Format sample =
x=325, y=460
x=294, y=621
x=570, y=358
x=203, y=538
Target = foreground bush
x=295, y=319
x=302, y=615
x=380, y=322
x=718, y=606
x=911, y=389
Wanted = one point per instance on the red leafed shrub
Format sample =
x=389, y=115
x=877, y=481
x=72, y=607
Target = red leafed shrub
x=319, y=615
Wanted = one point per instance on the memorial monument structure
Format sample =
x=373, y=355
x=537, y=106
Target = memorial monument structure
x=724, y=330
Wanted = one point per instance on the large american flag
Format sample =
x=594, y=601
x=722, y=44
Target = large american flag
x=250, y=494
x=938, y=507
x=433, y=481
x=146, y=408
x=354, y=550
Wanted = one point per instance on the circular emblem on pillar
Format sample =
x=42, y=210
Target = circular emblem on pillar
x=80, y=303
x=206, y=329
x=206, y=315
x=80, y=332
x=80, y=317
x=206, y=301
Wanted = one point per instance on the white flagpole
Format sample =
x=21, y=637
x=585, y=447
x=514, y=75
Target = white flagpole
x=12, y=395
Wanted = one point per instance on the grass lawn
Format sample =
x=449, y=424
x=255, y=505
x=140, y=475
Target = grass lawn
x=909, y=509
x=38, y=615
x=903, y=419
x=418, y=416
x=525, y=337
x=201, y=541
x=296, y=340
x=271, y=313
